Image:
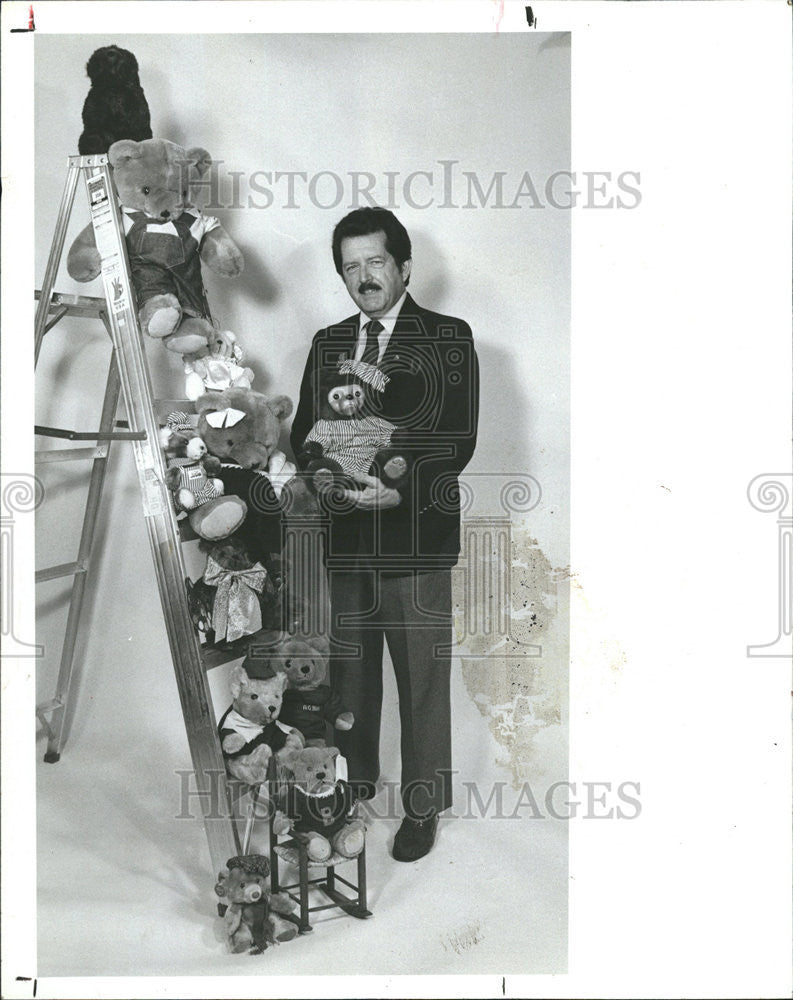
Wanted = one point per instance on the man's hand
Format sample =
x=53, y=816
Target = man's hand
x=374, y=496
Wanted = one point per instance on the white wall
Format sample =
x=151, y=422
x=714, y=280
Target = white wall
x=314, y=103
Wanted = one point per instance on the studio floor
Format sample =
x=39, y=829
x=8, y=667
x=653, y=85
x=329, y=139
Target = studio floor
x=125, y=888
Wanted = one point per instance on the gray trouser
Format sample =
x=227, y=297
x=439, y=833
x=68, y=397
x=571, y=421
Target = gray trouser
x=413, y=613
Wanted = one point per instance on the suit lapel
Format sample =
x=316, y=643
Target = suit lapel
x=407, y=329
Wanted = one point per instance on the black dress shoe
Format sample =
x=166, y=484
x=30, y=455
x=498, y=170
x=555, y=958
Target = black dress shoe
x=414, y=838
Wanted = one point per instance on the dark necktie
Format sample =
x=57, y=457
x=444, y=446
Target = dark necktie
x=371, y=351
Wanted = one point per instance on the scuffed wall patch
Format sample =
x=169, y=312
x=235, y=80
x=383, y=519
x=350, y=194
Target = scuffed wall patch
x=515, y=670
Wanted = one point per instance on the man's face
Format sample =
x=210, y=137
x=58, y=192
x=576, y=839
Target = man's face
x=373, y=278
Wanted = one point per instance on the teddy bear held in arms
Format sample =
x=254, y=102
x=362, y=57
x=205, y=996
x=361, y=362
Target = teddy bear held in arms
x=349, y=436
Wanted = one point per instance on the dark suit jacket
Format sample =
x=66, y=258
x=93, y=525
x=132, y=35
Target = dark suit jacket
x=433, y=399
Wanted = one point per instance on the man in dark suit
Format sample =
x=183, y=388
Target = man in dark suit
x=389, y=558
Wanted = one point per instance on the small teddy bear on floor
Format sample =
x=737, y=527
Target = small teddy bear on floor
x=254, y=917
x=116, y=106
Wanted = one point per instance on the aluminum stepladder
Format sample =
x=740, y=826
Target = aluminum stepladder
x=129, y=376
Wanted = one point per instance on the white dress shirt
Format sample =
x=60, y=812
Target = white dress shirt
x=388, y=321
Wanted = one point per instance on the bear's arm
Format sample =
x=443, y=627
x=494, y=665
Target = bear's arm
x=83, y=262
x=332, y=706
x=221, y=253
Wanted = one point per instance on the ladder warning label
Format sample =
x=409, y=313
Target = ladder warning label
x=152, y=495
x=115, y=286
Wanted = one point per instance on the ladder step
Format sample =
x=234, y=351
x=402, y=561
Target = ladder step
x=60, y=432
x=48, y=706
x=70, y=454
x=56, y=572
x=75, y=305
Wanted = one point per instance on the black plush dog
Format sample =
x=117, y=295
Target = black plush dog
x=116, y=106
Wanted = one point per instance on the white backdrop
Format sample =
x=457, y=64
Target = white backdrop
x=390, y=106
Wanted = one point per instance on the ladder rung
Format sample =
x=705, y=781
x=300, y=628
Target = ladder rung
x=59, y=432
x=75, y=305
x=48, y=706
x=56, y=317
x=56, y=572
x=71, y=454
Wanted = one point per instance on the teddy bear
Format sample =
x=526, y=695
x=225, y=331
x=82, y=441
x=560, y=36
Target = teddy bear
x=318, y=806
x=242, y=426
x=218, y=370
x=167, y=238
x=349, y=437
x=250, y=732
x=191, y=477
x=116, y=106
x=246, y=594
x=309, y=704
x=254, y=917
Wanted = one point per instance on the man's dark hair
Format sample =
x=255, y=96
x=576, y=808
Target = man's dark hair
x=364, y=221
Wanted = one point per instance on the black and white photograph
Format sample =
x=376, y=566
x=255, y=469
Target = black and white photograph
x=396, y=521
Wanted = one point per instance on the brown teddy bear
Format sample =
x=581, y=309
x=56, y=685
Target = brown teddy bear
x=243, y=426
x=249, y=729
x=309, y=704
x=254, y=917
x=168, y=239
x=191, y=477
x=318, y=806
x=247, y=591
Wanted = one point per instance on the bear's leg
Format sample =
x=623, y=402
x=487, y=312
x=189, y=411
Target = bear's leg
x=349, y=840
x=219, y=518
x=283, y=930
x=317, y=847
x=160, y=315
x=192, y=336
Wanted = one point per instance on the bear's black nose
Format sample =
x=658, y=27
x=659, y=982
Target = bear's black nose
x=320, y=774
x=165, y=214
x=272, y=709
x=305, y=670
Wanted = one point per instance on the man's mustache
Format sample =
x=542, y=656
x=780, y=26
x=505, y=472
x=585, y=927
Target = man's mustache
x=369, y=286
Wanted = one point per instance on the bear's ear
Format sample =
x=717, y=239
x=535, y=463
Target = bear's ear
x=220, y=887
x=287, y=758
x=332, y=752
x=199, y=159
x=281, y=406
x=123, y=151
x=238, y=679
x=283, y=680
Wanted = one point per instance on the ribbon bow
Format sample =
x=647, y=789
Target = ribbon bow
x=236, y=611
x=224, y=418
